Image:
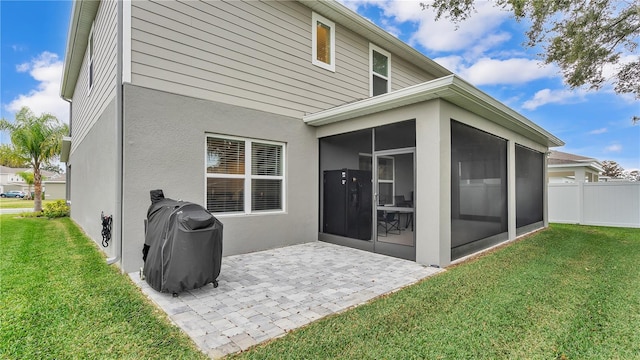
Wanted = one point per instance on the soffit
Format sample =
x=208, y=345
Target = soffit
x=82, y=16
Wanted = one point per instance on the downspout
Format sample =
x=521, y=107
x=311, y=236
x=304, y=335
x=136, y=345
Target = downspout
x=117, y=223
x=67, y=184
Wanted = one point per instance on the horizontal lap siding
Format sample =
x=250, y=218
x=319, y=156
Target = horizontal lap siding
x=254, y=54
x=405, y=74
x=88, y=106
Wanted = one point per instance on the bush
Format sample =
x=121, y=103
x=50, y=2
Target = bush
x=56, y=209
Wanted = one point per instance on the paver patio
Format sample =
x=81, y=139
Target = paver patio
x=264, y=295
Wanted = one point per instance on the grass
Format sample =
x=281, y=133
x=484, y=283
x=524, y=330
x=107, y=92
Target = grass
x=59, y=300
x=13, y=203
x=571, y=292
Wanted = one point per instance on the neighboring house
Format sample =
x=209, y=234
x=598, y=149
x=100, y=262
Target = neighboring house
x=568, y=168
x=243, y=106
x=10, y=180
x=56, y=187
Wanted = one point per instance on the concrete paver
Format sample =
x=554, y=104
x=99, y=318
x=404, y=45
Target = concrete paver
x=265, y=294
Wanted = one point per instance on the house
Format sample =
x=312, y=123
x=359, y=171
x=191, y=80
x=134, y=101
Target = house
x=55, y=187
x=247, y=107
x=568, y=168
x=52, y=183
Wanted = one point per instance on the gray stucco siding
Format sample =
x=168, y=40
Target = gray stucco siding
x=88, y=106
x=165, y=137
x=93, y=175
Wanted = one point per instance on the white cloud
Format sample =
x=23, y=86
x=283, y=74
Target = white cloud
x=488, y=71
x=23, y=67
x=480, y=31
x=45, y=98
x=453, y=63
x=615, y=148
x=598, y=131
x=548, y=96
x=465, y=46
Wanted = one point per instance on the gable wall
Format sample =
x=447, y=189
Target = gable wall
x=253, y=54
x=89, y=105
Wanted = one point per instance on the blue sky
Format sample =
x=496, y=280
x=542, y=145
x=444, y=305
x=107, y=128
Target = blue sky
x=486, y=50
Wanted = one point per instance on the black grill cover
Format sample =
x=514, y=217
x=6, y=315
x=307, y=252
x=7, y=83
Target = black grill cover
x=184, y=243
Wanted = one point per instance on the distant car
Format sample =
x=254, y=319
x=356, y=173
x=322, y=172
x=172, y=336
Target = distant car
x=13, y=194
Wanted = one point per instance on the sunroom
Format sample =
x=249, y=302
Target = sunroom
x=431, y=173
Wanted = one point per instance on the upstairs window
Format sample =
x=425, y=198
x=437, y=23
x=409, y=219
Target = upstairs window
x=91, y=55
x=244, y=176
x=380, y=71
x=323, y=33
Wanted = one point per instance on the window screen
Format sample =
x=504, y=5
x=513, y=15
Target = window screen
x=529, y=186
x=478, y=184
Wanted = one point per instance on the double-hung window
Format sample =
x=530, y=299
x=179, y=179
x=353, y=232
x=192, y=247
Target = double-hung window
x=244, y=175
x=380, y=71
x=323, y=34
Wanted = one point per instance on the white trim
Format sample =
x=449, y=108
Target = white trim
x=126, y=41
x=315, y=18
x=372, y=48
x=451, y=88
x=247, y=176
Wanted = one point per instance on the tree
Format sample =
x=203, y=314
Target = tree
x=9, y=157
x=38, y=139
x=581, y=37
x=612, y=169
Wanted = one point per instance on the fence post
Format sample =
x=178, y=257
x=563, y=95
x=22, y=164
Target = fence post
x=581, y=202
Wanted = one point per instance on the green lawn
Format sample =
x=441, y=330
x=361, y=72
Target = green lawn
x=13, y=203
x=571, y=292
x=59, y=300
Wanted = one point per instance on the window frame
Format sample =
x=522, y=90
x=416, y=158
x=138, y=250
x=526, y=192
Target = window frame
x=90, y=61
x=248, y=176
x=315, y=18
x=372, y=48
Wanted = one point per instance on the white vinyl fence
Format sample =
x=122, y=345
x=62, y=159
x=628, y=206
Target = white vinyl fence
x=605, y=204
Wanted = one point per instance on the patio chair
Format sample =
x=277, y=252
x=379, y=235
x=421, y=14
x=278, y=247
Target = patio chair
x=389, y=221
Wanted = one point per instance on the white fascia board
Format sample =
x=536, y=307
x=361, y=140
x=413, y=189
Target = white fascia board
x=593, y=166
x=403, y=97
x=471, y=94
x=82, y=15
x=451, y=88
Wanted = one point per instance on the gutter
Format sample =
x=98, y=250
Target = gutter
x=119, y=146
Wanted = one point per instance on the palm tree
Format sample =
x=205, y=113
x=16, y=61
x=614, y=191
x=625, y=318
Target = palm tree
x=37, y=138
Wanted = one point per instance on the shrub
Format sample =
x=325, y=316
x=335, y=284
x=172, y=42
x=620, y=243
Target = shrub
x=56, y=209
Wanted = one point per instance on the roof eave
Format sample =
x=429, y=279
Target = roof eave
x=593, y=166
x=451, y=88
x=82, y=15
x=353, y=21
